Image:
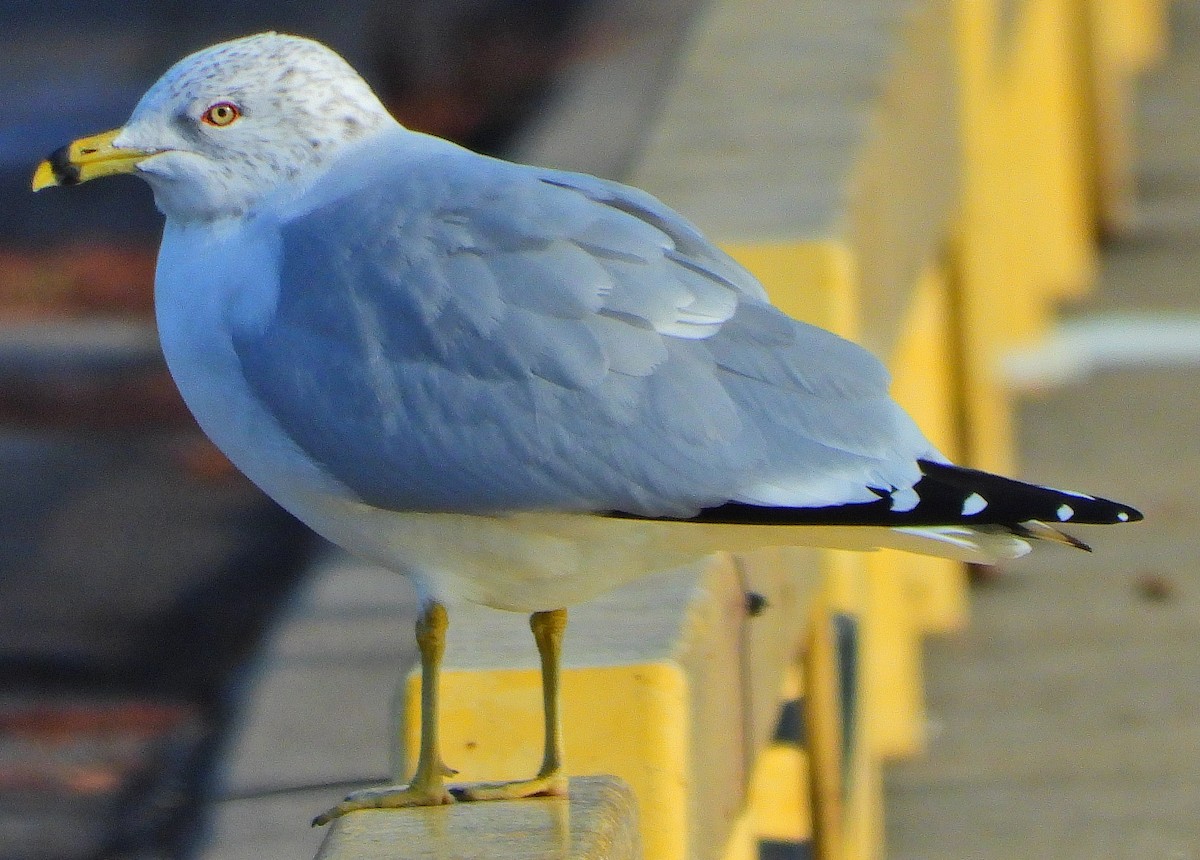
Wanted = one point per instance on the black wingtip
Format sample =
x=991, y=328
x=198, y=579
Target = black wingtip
x=1104, y=512
x=1009, y=500
x=946, y=495
x=1126, y=514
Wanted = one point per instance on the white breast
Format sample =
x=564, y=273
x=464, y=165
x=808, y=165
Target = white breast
x=204, y=288
x=208, y=282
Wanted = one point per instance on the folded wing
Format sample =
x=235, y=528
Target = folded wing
x=463, y=334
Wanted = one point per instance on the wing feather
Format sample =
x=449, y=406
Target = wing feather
x=559, y=279
x=458, y=333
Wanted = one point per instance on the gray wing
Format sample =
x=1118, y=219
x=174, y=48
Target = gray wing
x=465, y=334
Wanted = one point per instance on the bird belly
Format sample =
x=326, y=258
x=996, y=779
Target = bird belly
x=521, y=562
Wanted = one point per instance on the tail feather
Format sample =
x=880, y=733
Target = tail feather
x=958, y=512
x=975, y=545
x=1043, y=531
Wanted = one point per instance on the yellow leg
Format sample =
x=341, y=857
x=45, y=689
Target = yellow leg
x=427, y=787
x=548, y=629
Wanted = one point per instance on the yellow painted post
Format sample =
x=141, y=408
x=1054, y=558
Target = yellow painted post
x=631, y=721
x=1117, y=40
x=780, y=796
x=893, y=714
x=671, y=692
x=1146, y=32
x=896, y=596
x=861, y=828
x=816, y=282
x=846, y=616
x=1039, y=79
x=1022, y=235
x=981, y=272
x=742, y=843
x=780, y=801
x=811, y=281
x=926, y=383
x=1046, y=125
x=823, y=737
x=853, y=608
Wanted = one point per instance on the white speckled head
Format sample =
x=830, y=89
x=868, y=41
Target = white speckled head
x=295, y=106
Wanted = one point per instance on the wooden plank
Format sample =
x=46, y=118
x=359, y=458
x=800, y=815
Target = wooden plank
x=597, y=822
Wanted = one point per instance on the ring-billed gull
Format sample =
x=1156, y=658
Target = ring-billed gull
x=521, y=386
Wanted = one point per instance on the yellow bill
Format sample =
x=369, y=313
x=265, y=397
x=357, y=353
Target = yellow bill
x=85, y=159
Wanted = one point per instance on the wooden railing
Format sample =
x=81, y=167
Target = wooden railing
x=925, y=176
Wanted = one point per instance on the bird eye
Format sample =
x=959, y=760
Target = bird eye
x=221, y=114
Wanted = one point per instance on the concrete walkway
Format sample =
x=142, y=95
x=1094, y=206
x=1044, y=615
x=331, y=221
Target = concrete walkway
x=1066, y=720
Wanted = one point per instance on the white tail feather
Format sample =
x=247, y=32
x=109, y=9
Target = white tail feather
x=961, y=543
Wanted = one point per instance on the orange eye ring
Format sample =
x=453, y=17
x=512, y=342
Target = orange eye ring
x=221, y=114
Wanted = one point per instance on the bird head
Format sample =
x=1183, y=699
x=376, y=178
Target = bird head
x=229, y=125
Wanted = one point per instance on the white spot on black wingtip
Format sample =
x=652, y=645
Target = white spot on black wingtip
x=905, y=500
x=1064, y=513
x=973, y=504
x=1122, y=516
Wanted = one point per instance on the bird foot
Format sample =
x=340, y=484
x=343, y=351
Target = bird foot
x=401, y=796
x=387, y=797
x=543, y=785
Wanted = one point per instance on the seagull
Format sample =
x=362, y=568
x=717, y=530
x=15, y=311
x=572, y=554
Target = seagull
x=522, y=387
